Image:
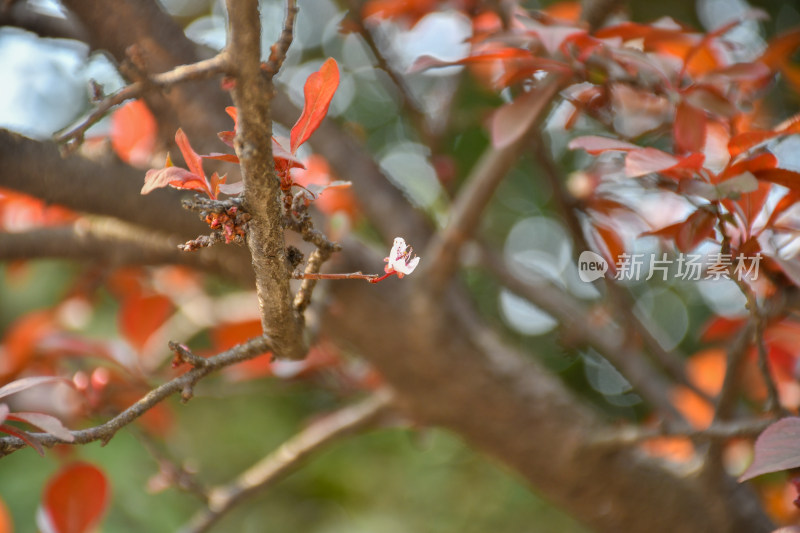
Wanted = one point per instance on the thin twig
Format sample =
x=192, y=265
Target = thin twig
x=567, y=205
x=718, y=431
x=728, y=396
x=174, y=473
x=575, y=320
x=289, y=456
x=201, y=70
x=409, y=103
x=443, y=255
x=302, y=223
x=112, y=242
x=182, y=384
x=351, y=275
x=278, y=50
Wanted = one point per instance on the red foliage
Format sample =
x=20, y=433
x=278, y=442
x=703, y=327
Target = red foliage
x=75, y=499
x=141, y=315
x=133, y=133
x=331, y=199
x=193, y=179
x=6, y=524
x=20, y=212
x=318, y=90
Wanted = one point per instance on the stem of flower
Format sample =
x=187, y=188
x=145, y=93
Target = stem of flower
x=372, y=278
x=376, y=279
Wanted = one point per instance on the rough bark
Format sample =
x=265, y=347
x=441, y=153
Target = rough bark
x=252, y=96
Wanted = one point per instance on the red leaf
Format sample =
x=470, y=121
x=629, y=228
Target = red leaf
x=21, y=340
x=230, y=158
x=695, y=229
x=780, y=176
x=26, y=383
x=780, y=49
x=284, y=161
x=26, y=437
x=76, y=498
x=777, y=448
x=594, y=144
x=174, y=177
x=234, y=114
x=227, y=137
x=755, y=164
x=721, y=328
x=6, y=524
x=689, y=128
x=751, y=203
x=710, y=99
x=609, y=243
x=133, y=132
x=514, y=119
x=319, y=89
x=48, y=423
x=316, y=179
x=649, y=160
x=787, y=201
x=228, y=335
x=749, y=139
x=553, y=37
x=688, y=234
x=192, y=158
x=140, y=316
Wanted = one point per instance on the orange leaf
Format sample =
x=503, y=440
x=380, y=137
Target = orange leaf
x=513, y=120
x=608, y=242
x=21, y=341
x=706, y=370
x=595, y=144
x=6, y=524
x=689, y=128
x=133, y=132
x=780, y=49
x=192, y=158
x=75, y=498
x=688, y=234
x=697, y=411
x=319, y=89
x=697, y=228
x=141, y=316
x=177, y=177
x=648, y=160
x=781, y=176
x=228, y=335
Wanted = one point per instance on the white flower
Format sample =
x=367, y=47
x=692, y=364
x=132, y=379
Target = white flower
x=401, y=259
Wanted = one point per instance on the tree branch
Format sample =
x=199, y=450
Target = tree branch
x=715, y=432
x=281, y=46
x=201, y=70
x=289, y=456
x=252, y=95
x=574, y=321
x=442, y=256
x=115, y=243
x=22, y=15
x=182, y=384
